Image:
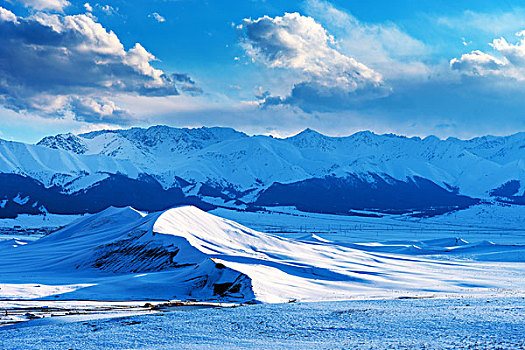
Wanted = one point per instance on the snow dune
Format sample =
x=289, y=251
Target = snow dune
x=185, y=253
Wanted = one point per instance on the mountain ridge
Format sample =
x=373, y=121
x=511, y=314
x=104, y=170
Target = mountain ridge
x=221, y=166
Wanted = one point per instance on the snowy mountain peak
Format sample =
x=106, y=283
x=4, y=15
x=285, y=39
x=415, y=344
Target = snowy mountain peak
x=308, y=133
x=221, y=166
x=139, y=143
x=67, y=142
x=309, y=138
x=164, y=134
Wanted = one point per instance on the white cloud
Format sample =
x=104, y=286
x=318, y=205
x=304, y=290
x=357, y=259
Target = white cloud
x=57, y=5
x=385, y=47
x=109, y=10
x=57, y=64
x=509, y=64
x=7, y=16
x=88, y=7
x=477, y=63
x=494, y=23
x=300, y=45
x=157, y=17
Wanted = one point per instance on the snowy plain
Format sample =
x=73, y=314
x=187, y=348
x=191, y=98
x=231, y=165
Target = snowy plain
x=499, y=223
x=464, y=323
x=450, y=281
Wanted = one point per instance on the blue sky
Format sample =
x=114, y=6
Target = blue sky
x=274, y=67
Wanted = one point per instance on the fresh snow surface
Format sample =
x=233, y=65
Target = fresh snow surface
x=26, y=228
x=498, y=223
x=28, y=222
x=185, y=253
x=58, y=167
x=488, y=323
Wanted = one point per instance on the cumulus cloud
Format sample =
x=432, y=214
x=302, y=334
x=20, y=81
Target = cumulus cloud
x=300, y=45
x=477, y=63
x=57, y=5
x=7, y=16
x=88, y=7
x=509, y=64
x=96, y=110
x=58, y=64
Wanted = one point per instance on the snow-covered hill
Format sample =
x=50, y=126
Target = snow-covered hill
x=221, y=166
x=59, y=167
x=184, y=252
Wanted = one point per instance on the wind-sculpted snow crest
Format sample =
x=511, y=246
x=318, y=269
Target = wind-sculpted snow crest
x=185, y=253
x=117, y=255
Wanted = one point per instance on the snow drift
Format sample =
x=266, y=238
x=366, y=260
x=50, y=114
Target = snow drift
x=186, y=253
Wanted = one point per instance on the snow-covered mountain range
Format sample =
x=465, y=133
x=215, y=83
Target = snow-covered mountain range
x=159, y=167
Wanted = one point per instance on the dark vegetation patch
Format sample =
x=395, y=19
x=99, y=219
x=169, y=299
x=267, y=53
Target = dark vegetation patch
x=335, y=195
x=144, y=193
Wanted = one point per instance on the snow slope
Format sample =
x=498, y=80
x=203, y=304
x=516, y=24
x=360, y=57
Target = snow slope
x=59, y=167
x=224, y=156
x=184, y=252
x=211, y=167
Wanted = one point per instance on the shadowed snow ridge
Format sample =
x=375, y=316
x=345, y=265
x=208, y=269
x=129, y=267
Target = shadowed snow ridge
x=184, y=252
x=118, y=256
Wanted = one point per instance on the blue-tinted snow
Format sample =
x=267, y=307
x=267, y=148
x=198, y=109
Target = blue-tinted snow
x=495, y=323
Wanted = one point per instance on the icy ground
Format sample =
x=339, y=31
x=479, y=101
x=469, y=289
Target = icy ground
x=379, y=324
